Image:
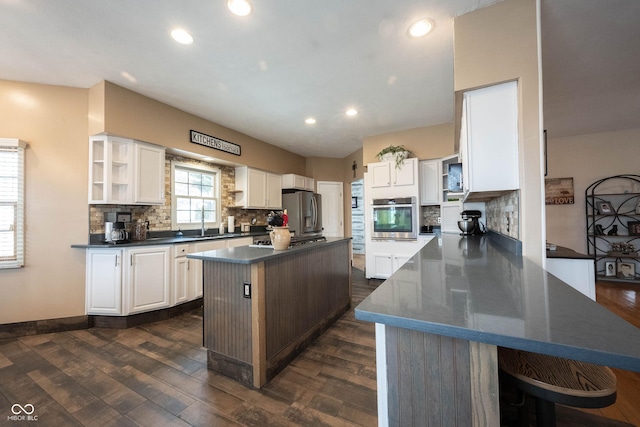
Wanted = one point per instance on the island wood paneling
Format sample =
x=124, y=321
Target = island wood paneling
x=294, y=298
x=227, y=319
x=302, y=290
x=432, y=380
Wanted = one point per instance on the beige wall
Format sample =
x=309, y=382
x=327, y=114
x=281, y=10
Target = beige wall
x=497, y=44
x=325, y=169
x=586, y=158
x=427, y=142
x=53, y=120
x=56, y=121
x=132, y=115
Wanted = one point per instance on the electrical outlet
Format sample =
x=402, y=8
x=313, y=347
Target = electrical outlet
x=439, y=220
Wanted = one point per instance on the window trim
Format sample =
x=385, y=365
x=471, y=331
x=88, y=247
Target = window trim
x=217, y=195
x=19, y=146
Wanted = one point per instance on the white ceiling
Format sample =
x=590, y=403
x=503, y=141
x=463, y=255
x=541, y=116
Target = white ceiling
x=290, y=59
x=591, y=65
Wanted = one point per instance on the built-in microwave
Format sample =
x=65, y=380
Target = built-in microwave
x=394, y=219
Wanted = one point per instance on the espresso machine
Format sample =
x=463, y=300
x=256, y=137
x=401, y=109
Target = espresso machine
x=470, y=223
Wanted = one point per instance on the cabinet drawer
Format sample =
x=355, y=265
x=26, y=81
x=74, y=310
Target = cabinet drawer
x=180, y=250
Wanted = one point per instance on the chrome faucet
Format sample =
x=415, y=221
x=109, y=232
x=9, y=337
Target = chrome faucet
x=202, y=222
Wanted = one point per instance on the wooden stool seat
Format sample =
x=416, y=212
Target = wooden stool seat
x=552, y=379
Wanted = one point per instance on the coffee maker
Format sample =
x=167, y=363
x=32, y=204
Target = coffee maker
x=115, y=227
x=470, y=224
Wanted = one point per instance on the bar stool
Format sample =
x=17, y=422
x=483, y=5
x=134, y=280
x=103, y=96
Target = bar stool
x=551, y=380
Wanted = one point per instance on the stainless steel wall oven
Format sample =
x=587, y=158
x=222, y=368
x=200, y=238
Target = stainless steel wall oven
x=394, y=219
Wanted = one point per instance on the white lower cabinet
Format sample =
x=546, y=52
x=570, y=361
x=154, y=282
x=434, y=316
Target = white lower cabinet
x=578, y=273
x=126, y=281
x=387, y=264
x=147, y=279
x=242, y=241
x=104, y=281
x=182, y=274
x=195, y=288
x=195, y=265
x=383, y=258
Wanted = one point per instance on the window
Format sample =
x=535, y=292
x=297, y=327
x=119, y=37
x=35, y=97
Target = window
x=195, y=190
x=11, y=203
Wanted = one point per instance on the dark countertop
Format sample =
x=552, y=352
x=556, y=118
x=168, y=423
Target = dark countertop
x=562, y=252
x=474, y=289
x=250, y=255
x=169, y=240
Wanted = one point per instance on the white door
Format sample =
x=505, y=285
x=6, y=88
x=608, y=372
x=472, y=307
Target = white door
x=332, y=208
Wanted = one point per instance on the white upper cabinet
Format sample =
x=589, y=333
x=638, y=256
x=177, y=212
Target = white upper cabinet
x=257, y=189
x=386, y=174
x=124, y=171
x=430, y=177
x=489, y=139
x=297, y=182
x=110, y=165
x=149, y=174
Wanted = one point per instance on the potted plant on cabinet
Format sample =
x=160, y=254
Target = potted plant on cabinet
x=396, y=153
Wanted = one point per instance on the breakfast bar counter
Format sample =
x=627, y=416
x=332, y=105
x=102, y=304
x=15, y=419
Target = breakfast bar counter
x=441, y=317
x=262, y=307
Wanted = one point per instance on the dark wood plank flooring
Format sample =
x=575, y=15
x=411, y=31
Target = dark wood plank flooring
x=156, y=375
x=624, y=300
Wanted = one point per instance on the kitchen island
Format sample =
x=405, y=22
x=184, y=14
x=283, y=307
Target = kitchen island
x=262, y=307
x=441, y=317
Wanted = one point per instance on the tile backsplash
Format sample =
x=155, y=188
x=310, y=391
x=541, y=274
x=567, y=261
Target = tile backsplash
x=503, y=214
x=159, y=217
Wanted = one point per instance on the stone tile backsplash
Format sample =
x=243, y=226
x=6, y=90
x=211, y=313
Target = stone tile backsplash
x=503, y=214
x=159, y=217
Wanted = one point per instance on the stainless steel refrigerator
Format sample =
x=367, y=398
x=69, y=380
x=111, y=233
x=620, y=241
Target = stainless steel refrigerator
x=304, y=209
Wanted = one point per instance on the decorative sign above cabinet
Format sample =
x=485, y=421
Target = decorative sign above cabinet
x=213, y=142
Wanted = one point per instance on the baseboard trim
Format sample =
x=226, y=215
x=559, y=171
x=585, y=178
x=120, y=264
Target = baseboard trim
x=47, y=326
x=124, y=322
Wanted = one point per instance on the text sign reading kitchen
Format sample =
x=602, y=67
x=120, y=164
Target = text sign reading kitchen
x=213, y=142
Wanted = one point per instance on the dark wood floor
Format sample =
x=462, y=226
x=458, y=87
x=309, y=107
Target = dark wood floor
x=156, y=375
x=624, y=300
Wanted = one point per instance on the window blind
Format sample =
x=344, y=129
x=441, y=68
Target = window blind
x=11, y=203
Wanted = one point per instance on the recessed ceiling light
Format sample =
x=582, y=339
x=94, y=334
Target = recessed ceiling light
x=420, y=28
x=128, y=77
x=310, y=121
x=351, y=112
x=181, y=36
x=239, y=7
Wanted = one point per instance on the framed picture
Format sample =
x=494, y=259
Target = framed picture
x=626, y=270
x=604, y=208
x=354, y=202
x=610, y=268
x=634, y=228
x=558, y=191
